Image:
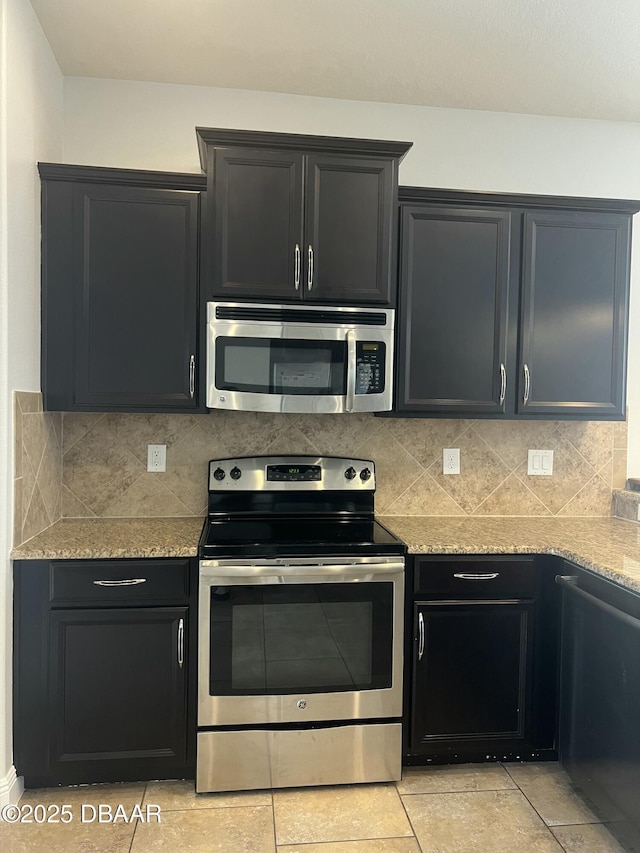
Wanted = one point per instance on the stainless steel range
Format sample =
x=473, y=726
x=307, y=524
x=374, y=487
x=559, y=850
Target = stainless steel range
x=300, y=627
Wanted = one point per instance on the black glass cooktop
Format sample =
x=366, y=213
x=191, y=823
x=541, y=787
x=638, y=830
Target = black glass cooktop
x=283, y=537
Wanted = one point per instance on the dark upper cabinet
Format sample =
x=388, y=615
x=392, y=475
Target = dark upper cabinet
x=293, y=217
x=512, y=306
x=575, y=289
x=455, y=288
x=255, y=231
x=120, y=290
x=349, y=229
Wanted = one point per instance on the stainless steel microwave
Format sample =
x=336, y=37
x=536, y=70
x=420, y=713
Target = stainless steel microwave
x=290, y=358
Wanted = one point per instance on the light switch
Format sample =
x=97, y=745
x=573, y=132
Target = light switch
x=540, y=463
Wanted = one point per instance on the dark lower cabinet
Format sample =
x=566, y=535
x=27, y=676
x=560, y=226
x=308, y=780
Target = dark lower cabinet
x=104, y=681
x=599, y=734
x=481, y=660
x=472, y=674
x=117, y=689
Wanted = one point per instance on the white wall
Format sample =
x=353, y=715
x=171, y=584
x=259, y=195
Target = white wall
x=31, y=94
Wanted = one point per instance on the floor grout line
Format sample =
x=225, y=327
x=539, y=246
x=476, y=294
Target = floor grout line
x=413, y=829
x=135, y=828
x=551, y=833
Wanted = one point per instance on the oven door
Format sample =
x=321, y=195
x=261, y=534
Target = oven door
x=275, y=359
x=300, y=640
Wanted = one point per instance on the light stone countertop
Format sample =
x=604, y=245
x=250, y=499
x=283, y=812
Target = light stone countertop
x=110, y=538
x=608, y=546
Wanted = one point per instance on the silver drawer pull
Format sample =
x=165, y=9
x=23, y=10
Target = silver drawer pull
x=127, y=582
x=470, y=576
x=181, y=643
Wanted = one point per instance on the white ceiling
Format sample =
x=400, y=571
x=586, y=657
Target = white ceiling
x=577, y=58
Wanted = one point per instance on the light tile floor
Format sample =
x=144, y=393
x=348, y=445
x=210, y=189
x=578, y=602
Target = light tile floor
x=510, y=808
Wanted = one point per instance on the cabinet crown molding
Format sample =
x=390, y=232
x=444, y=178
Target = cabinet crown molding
x=438, y=195
x=225, y=137
x=130, y=177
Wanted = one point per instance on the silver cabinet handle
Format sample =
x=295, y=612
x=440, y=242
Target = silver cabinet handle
x=310, y=268
x=527, y=384
x=351, y=370
x=297, y=267
x=503, y=383
x=479, y=576
x=127, y=582
x=420, y=636
x=180, y=643
x=192, y=376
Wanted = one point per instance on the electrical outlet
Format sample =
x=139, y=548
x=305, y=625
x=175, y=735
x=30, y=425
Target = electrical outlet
x=451, y=460
x=540, y=463
x=156, y=458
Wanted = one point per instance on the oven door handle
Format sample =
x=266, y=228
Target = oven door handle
x=227, y=575
x=351, y=370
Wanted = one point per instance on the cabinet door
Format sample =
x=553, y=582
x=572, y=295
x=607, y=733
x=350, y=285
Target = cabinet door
x=454, y=288
x=600, y=698
x=349, y=229
x=117, y=692
x=574, y=314
x=471, y=675
x=120, y=332
x=254, y=236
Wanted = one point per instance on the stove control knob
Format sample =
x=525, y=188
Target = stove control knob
x=219, y=474
x=365, y=474
x=236, y=473
x=350, y=473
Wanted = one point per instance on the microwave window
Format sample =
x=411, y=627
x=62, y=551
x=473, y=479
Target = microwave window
x=268, y=366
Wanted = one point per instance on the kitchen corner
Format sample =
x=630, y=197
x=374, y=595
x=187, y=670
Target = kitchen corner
x=300, y=622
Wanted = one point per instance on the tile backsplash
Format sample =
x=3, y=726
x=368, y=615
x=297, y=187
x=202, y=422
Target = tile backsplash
x=94, y=465
x=37, y=484
x=104, y=461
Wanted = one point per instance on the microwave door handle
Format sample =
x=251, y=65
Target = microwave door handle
x=351, y=371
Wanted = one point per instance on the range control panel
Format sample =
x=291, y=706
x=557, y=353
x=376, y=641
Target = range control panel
x=269, y=473
x=294, y=473
x=370, y=364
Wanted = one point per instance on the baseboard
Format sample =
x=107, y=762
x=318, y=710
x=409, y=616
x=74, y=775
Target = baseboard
x=11, y=788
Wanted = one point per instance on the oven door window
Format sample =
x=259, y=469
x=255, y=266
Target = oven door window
x=276, y=366
x=308, y=637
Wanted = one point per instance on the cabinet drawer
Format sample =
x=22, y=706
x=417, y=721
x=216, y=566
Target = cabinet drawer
x=473, y=578
x=118, y=581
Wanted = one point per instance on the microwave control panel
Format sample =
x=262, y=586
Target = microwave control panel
x=370, y=367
